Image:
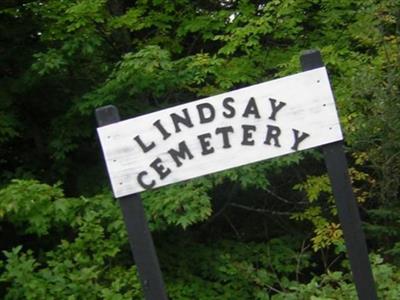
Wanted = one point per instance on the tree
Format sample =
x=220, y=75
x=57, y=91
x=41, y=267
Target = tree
x=63, y=59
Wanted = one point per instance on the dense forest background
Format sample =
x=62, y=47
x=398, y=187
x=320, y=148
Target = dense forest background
x=265, y=231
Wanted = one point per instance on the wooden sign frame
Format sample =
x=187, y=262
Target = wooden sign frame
x=349, y=217
x=139, y=236
x=141, y=242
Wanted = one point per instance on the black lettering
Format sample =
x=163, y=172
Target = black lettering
x=273, y=132
x=298, y=138
x=162, y=130
x=185, y=120
x=142, y=183
x=275, y=108
x=225, y=134
x=229, y=108
x=182, y=153
x=205, y=143
x=160, y=168
x=145, y=148
x=251, y=109
x=248, y=135
x=211, y=112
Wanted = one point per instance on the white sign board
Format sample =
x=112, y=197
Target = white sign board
x=255, y=123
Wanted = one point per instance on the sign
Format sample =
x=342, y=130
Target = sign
x=232, y=129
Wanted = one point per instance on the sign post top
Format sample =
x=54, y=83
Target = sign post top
x=107, y=115
x=311, y=59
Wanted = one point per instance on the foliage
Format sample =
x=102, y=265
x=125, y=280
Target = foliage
x=338, y=286
x=32, y=206
x=322, y=212
x=231, y=269
x=93, y=262
x=87, y=264
x=67, y=277
x=223, y=236
x=182, y=205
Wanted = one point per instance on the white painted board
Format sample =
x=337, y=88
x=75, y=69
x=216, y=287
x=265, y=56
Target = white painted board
x=248, y=125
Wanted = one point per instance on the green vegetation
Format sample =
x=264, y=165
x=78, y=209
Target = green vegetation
x=265, y=231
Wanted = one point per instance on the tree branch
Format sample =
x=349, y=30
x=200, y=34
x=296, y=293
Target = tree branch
x=260, y=210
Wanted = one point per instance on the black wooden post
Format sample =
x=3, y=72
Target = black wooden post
x=139, y=235
x=336, y=163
